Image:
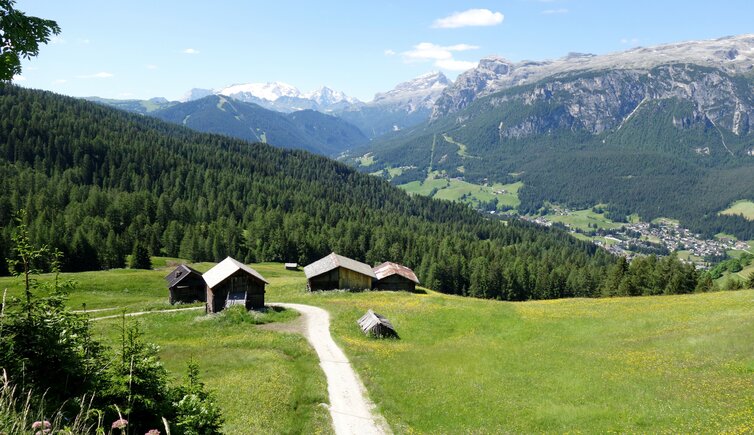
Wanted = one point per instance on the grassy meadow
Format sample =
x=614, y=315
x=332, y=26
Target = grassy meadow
x=744, y=208
x=463, y=191
x=462, y=365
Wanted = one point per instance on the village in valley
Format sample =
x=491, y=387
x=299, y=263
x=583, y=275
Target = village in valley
x=660, y=237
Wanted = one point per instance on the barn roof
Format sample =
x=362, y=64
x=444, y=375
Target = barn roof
x=389, y=268
x=179, y=274
x=374, y=323
x=333, y=261
x=226, y=268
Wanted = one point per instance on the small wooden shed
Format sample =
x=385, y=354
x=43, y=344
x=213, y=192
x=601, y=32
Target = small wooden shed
x=338, y=272
x=377, y=326
x=186, y=285
x=231, y=282
x=393, y=276
x=291, y=266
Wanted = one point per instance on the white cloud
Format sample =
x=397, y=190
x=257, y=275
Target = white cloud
x=469, y=18
x=99, y=75
x=190, y=51
x=455, y=65
x=84, y=41
x=57, y=40
x=18, y=78
x=631, y=41
x=151, y=66
x=441, y=55
x=389, y=52
x=59, y=81
x=555, y=11
x=430, y=51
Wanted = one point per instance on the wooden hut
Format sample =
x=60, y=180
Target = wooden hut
x=233, y=283
x=377, y=326
x=392, y=276
x=291, y=266
x=186, y=285
x=338, y=272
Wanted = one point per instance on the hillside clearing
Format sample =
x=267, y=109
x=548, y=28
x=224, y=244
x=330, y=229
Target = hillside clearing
x=644, y=364
x=744, y=208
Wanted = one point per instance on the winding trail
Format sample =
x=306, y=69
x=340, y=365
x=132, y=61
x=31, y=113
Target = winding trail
x=351, y=410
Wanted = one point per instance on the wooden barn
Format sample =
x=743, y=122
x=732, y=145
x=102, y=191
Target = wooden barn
x=338, y=272
x=392, y=276
x=186, y=285
x=231, y=282
x=377, y=326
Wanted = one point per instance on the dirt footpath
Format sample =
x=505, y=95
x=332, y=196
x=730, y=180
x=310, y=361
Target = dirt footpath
x=351, y=410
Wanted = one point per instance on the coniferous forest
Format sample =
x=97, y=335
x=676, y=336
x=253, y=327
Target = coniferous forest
x=95, y=182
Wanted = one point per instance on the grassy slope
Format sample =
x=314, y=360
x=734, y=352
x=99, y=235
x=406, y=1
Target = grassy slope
x=745, y=208
x=454, y=190
x=649, y=364
x=583, y=218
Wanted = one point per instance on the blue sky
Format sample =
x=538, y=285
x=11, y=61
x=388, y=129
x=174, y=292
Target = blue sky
x=142, y=49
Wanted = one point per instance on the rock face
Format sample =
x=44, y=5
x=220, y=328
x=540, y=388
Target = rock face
x=408, y=104
x=605, y=101
x=730, y=56
x=417, y=94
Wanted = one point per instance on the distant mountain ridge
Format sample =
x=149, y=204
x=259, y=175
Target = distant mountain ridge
x=659, y=131
x=309, y=130
x=279, y=96
x=732, y=55
x=408, y=104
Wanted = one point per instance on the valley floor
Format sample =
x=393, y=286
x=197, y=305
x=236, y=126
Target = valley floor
x=644, y=364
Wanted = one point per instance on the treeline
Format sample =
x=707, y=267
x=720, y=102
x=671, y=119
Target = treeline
x=95, y=181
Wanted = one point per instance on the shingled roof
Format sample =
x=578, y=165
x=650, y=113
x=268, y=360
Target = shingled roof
x=376, y=325
x=334, y=261
x=389, y=268
x=179, y=274
x=226, y=268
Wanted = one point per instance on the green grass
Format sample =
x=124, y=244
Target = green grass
x=264, y=382
x=648, y=364
x=582, y=219
x=462, y=191
x=366, y=160
x=743, y=207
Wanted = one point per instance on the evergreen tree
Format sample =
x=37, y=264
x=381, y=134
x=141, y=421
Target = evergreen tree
x=140, y=257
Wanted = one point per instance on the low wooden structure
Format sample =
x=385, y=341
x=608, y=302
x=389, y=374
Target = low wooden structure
x=338, y=272
x=376, y=325
x=393, y=276
x=186, y=285
x=291, y=266
x=231, y=282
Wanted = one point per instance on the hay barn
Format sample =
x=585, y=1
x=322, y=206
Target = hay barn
x=186, y=285
x=231, y=282
x=338, y=272
x=392, y=276
x=376, y=325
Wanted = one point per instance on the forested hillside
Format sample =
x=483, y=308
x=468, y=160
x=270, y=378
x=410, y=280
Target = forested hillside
x=94, y=181
x=623, y=138
x=305, y=129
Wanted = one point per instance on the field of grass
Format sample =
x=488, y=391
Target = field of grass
x=744, y=208
x=459, y=190
x=462, y=365
x=264, y=382
x=582, y=219
x=649, y=364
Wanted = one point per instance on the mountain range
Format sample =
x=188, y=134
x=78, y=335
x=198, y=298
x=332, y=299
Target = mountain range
x=305, y=129
x=658, y=131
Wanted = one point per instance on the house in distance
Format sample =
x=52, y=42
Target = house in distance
x=393, y=276
x=231, y=282
x=186, y=285
x=338, y=272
